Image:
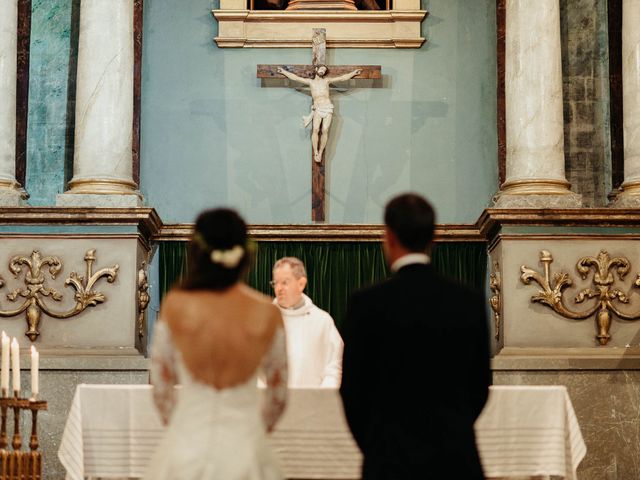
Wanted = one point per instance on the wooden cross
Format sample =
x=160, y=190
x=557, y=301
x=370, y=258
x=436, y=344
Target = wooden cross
x=319, y=43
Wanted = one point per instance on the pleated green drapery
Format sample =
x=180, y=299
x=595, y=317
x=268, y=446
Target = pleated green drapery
x=465, y=262
x=173, y=264
x=335, y=269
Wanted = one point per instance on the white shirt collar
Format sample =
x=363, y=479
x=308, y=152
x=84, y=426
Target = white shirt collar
x=410, y=259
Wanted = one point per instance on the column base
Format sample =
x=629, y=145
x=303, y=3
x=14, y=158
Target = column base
x=571, y=200
x=97, y=200
x=12, y=195
x=537, y=193
x=628, y=196
x=100, y=193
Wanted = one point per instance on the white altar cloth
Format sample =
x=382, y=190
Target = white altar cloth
x=528, y=431
x=112, y=431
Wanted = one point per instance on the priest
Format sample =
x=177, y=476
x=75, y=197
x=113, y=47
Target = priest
x=314, y=346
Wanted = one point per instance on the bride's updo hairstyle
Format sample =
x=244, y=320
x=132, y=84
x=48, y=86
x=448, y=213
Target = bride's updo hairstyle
x=217, y=252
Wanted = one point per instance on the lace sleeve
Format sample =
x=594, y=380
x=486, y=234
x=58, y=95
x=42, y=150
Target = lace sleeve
x=274, y=366
x=163, y=373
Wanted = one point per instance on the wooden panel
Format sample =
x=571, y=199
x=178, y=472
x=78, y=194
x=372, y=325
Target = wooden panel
x=317, y=189
x=615, y=90
x=368, y=71
x=22, y=92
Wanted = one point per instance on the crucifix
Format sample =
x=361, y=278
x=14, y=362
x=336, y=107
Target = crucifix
x=318, y=76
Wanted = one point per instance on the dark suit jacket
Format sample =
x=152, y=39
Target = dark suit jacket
x=416, y=376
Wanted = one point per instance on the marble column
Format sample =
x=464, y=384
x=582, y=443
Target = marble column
x=630, y=195
x=533, y=96
x=102, y=163
x=11, y=194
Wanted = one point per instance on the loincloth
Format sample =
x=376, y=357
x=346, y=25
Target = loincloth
x=323, y=111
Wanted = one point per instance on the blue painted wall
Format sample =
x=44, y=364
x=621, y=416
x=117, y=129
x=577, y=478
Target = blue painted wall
x=212, y=135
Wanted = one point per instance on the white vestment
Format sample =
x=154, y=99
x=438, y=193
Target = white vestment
x=314, y=347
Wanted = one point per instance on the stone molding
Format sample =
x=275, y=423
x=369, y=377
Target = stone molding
x=243, y=28
x=610, y=358
x=145, y=219
x=492, y=219
x=325, y=233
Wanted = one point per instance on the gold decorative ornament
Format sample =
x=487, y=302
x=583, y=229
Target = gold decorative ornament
x=143, y=299
x=16, y=462
x=495, y=284
x=604, y=293
x=35, y=290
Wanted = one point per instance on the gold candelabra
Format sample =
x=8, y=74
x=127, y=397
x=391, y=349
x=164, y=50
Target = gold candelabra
x=15, y=463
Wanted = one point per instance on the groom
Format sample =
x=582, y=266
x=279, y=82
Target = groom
x=416, y=331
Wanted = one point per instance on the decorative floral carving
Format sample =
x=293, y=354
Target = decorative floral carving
x=143, y=299
x=35, y=289
x=603, y=291
x=495, y=284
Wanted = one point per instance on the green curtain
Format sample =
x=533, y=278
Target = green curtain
x=335, y=269
x=173, y=264
x=465, y=262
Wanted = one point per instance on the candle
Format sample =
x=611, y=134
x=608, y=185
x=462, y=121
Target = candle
x=35, y=360
x=4, y=366
x=15, y=365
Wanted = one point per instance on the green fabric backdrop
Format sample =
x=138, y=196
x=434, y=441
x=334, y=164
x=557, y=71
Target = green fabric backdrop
x=335, y=269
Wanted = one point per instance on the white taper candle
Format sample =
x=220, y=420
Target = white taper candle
x=4, y=365
x=35, y=360
x=15, y=365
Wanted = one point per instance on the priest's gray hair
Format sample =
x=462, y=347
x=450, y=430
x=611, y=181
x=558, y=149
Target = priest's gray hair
x=296, y=266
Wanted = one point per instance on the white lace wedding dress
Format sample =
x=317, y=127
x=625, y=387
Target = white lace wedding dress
x=215, y=434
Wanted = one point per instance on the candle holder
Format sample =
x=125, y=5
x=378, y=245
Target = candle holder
x=18, y=464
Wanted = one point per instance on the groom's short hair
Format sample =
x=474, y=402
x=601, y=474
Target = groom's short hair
x=411, y=218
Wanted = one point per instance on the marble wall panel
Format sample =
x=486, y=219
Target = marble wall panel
x=585, y=69
x=607, y=404
x=51, y=98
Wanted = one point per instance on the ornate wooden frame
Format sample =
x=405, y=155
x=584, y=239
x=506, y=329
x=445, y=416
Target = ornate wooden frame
x=399, y=27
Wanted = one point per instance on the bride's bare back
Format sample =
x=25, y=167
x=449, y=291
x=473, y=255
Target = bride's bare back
x=222, y=336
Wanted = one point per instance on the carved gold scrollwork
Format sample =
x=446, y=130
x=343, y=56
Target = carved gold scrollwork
x=143, y=298
x=495, y=284
x=35, y=290
x=604, y=292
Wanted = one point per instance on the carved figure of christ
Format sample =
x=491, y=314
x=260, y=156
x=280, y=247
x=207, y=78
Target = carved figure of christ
x=318, y=77
x=322, y=108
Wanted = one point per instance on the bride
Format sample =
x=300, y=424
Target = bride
x=214, y=336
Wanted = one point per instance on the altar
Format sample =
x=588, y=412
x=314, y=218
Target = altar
x=112, y=431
